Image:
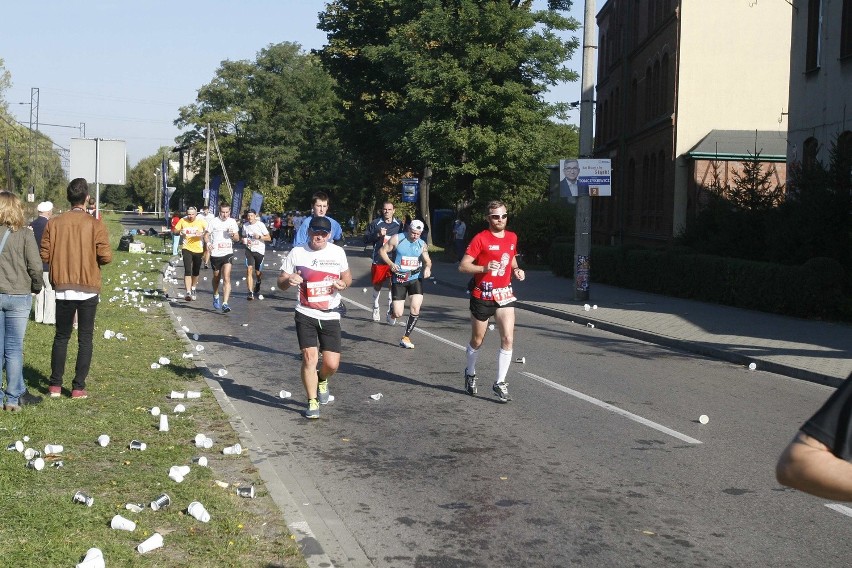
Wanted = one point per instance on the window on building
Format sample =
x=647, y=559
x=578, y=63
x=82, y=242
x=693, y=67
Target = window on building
x=810, y=149
x=813, y=38
x=846, y=29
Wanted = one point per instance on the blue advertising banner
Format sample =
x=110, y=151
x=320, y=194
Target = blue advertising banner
x=237, y=201
x=256, y=201
x=214, y=194
x=410, y=190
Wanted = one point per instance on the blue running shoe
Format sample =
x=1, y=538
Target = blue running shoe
x=226, y=308
x=217, y=304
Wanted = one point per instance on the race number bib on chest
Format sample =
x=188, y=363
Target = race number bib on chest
x=503, y=296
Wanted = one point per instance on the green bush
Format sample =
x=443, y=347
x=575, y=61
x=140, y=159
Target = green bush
x=538, y=225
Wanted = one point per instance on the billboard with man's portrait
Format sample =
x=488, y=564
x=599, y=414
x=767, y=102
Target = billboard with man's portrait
x=592, y=177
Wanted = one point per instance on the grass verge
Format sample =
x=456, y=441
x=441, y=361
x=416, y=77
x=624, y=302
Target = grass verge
x=40, y=525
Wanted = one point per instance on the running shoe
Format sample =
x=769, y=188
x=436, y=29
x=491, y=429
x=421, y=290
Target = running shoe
x=79, y=394
x=377, y=315
x=217, y=304
x=322, y=392
x=194, y=295
x=313, y=409
x=502, y=391
x=391, y=320
x=226, y=308
x=55, y=391
x=250, y=297
x=405, y=342
x=188, y=297
x=469, y=383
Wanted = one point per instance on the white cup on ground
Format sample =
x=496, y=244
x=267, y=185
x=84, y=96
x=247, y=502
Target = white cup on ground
x=36, y=464
x=120, y=523
x=177, y=394
x=53, y=449
x=30, y=454
x=155, y=411
x=94, y=559
x=180, y=408
x=284, y=393
x=164, y=361
x=103, y=440
x=180, y=469
x=193, y=394
x=198, y=511
x=200, y=461
x=153, y=542
x=234, y=450
x=246, y=491
x=164, y=423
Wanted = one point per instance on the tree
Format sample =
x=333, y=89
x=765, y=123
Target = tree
x=276, y=121
x=452, y=85
x=754, y=188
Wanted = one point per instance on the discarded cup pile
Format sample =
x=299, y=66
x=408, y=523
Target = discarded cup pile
x=52, y=453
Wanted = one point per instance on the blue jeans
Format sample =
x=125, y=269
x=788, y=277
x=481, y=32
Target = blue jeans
x=14, y=315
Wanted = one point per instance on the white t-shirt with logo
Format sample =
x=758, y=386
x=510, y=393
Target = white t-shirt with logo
x=253, y=234
x=220, y=236
x=319, y=270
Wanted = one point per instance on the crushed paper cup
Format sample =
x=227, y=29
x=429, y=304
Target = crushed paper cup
x=180, y=408
x=195, y=336
x=134, y=507
x=222, y=372
x=103, y=440
x=260, y=296
x=109, y=334
x=164, y=361
x=187, y=355
x=521, y=360
x=376, y=396
x=201, y=461
x=155, y=365
x=199, y=348
x=234, y=450
x=221, y=484
x=155, y=411
x=752, y=366
x=284, y=394
x=491, y=326
x=31, y=453
x=184, y=328
x=595, y=306
x=180, y=469
x=587, y=307
x=36, y=464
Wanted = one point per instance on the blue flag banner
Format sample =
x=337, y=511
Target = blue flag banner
x=237, y=202
x=410, y=190
x=256, y=201
x=165, y=185
x=214, y=194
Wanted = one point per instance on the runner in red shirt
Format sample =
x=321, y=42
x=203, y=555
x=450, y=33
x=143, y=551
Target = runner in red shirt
x=491, y=258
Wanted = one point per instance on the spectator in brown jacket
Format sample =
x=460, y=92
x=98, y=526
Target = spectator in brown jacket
x=75, y=245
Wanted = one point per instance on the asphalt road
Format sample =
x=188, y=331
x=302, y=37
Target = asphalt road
x=599, y=460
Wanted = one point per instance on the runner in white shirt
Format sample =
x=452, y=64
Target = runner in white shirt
x=321, y=271
x=255, y=235
x=220, y=236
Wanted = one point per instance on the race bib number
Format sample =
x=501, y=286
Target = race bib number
x=503, y=296
x=410, y=262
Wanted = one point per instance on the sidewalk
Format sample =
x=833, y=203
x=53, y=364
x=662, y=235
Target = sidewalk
x=810, y=350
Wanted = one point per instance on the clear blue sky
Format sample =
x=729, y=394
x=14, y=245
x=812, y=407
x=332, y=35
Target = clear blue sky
x=125, y=67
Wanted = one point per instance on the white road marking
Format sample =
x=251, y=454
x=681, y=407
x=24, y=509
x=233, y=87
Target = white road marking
x=842, y=509
x=615, y=409
x=572, y=392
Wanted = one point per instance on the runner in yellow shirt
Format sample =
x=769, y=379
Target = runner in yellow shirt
x=192, y=229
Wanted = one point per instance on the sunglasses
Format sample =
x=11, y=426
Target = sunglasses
x=319, y=231
x=498, y=217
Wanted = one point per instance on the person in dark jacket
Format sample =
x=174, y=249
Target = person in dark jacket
x=45, y=302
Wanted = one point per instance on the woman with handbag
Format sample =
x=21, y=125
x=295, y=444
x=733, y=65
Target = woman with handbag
x=19, y=280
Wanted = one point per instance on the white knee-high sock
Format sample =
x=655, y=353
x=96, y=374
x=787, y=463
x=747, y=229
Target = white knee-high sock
x=504, y=358
x=376, y=295
x=472, y=355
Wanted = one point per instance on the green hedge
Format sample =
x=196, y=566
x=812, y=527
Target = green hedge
x=812, y=290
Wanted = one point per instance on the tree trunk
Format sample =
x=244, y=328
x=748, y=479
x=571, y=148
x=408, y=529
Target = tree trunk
x=275, y=174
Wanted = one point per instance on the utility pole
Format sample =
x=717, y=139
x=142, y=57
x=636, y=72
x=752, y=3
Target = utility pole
x=207, y=170
x=583, y=221
x=34, y=96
